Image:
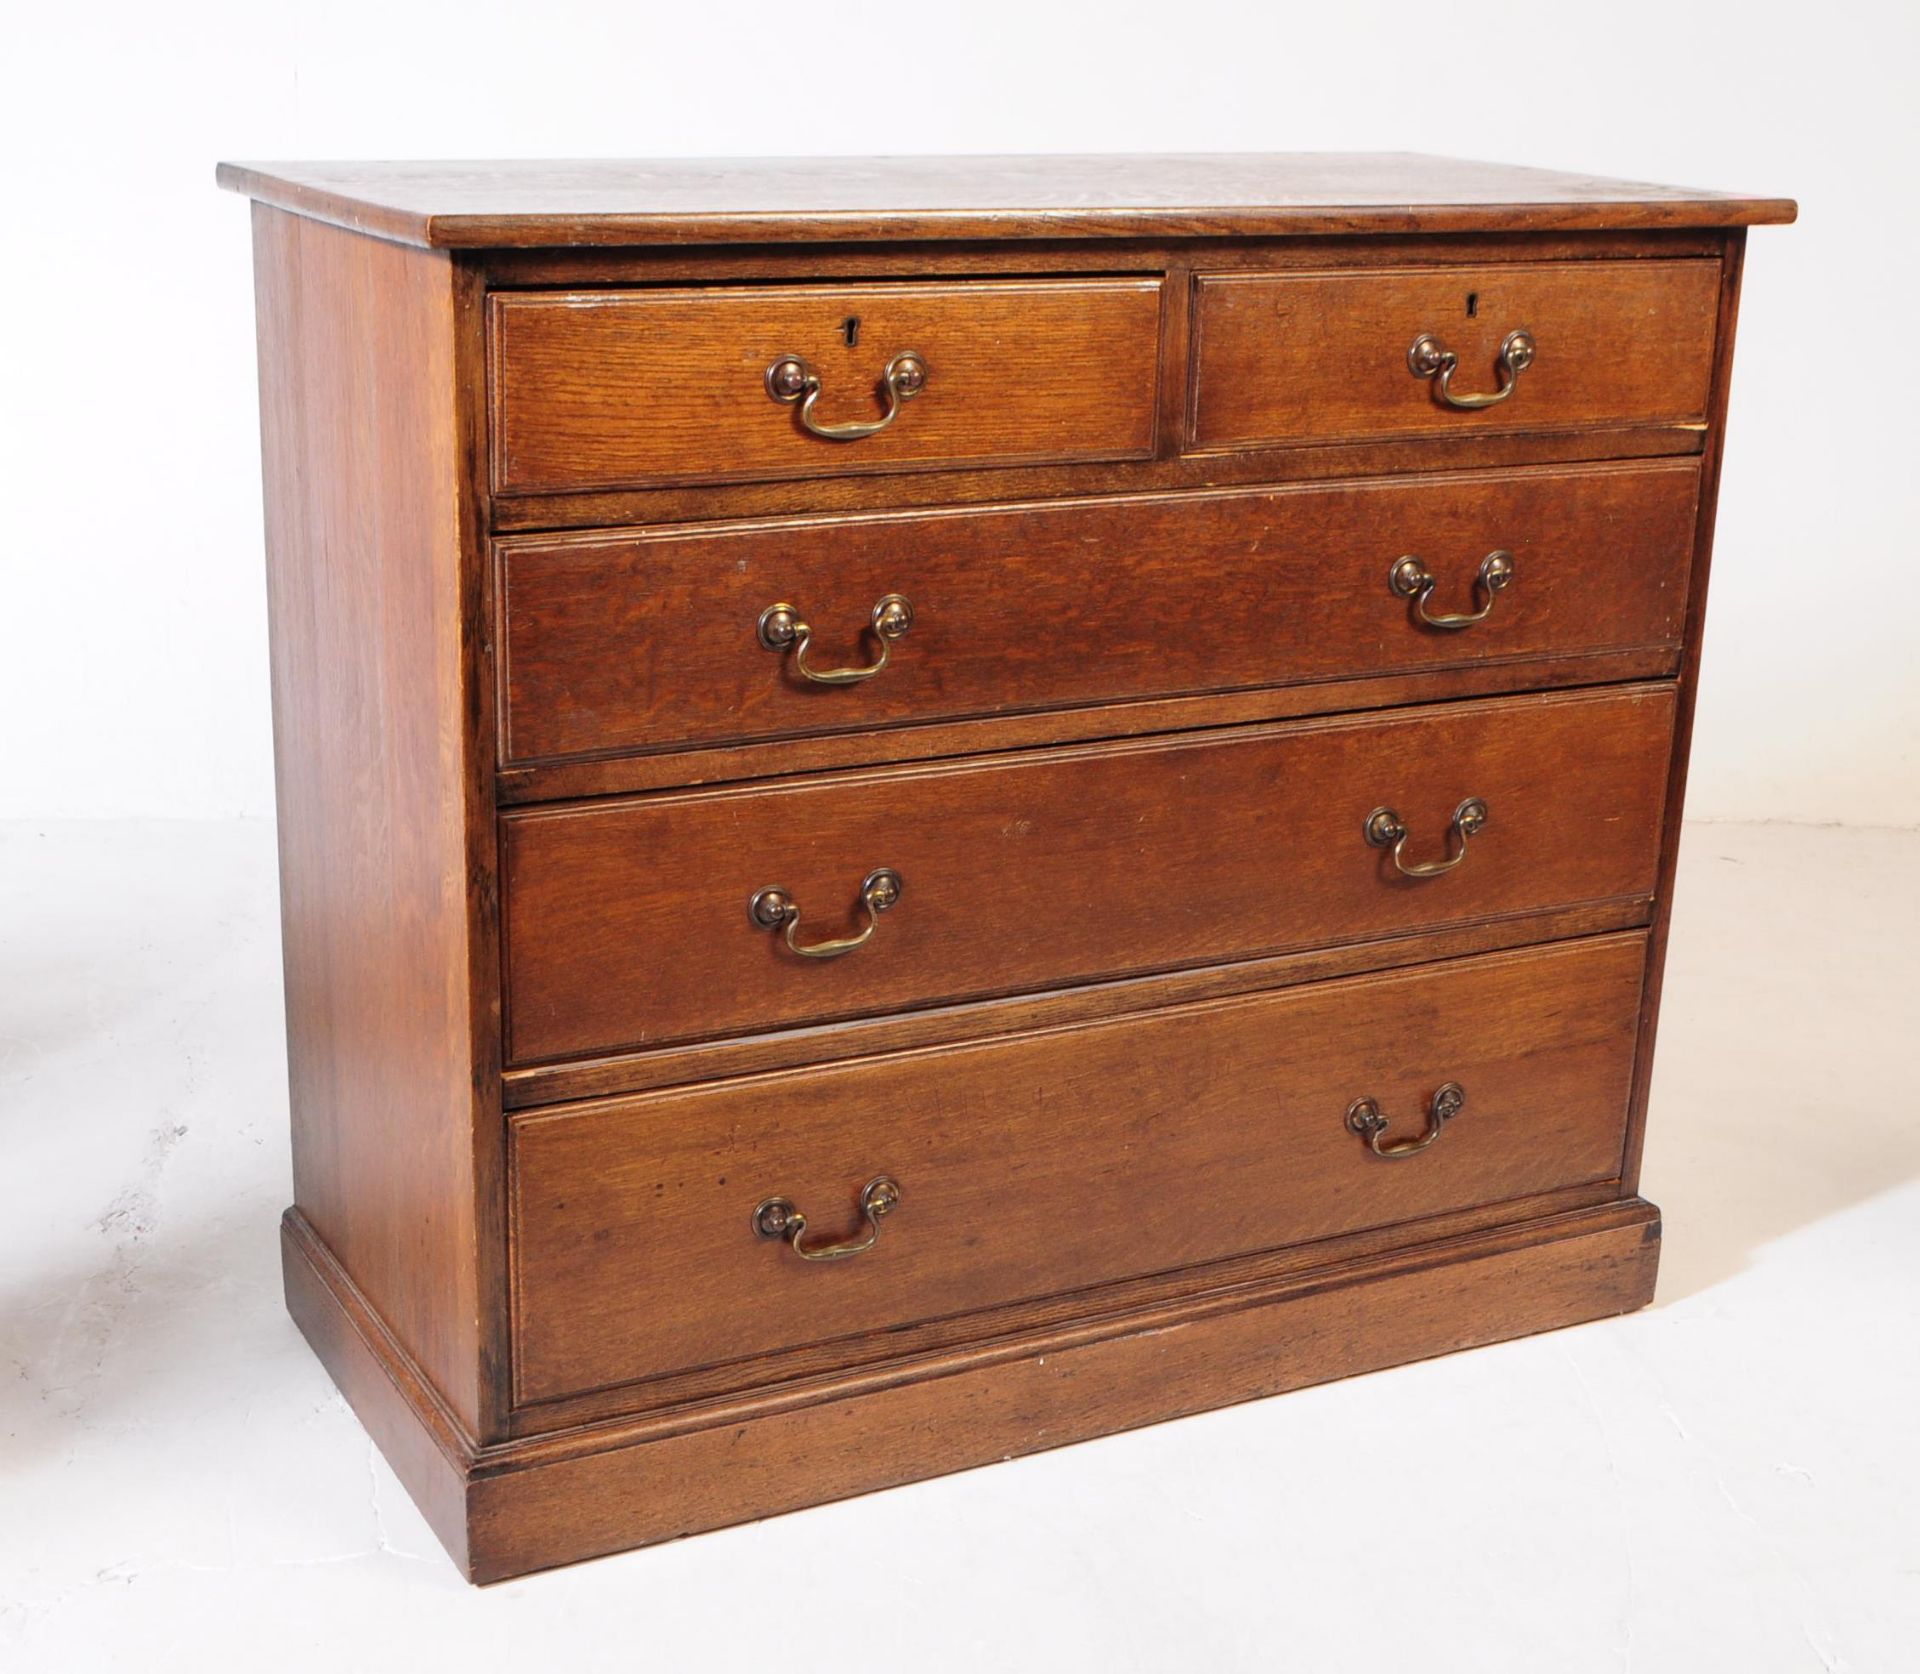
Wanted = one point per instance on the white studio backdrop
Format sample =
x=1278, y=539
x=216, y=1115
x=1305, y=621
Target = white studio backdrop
x=132, y=623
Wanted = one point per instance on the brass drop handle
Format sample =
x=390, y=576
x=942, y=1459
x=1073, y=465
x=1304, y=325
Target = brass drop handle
x=781, y=628
x=1386, y=829
x=1429, y=356
x=1411, y=579
x=790, y=378
x=774, y=909
x=779, y=1218
x=1364, y=1118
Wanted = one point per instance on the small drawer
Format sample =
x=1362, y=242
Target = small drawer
x=690, y=914
x=674, y=638
x=1034, y=1165
x=630, y=389
x=1362, y=355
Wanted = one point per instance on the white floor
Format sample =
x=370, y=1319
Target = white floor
x=1729, y=1481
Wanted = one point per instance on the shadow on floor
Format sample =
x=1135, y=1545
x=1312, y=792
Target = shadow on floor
x=1782, y=1092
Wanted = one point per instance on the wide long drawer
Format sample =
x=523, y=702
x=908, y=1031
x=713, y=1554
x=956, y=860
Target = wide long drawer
x=1451, y=351
x=690, y=914
x=654, y=639
x=1038, y=1164
x=630, y=388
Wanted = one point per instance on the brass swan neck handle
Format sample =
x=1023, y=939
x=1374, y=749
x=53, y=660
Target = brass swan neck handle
x=1364, y=1118
x=1411, y=579
x=791, y=379
x=781, y=628
x=1386, y=830
x=774, y=908
x=1430, y=358
x=780, y=1218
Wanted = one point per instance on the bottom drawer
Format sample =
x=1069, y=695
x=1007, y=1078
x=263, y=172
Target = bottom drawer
x=1035, y=1164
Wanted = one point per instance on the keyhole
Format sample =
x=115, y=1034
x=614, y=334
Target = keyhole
x=850, y=330
x=1473, y=304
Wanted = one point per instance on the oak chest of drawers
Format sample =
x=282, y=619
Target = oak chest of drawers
x=929, y=808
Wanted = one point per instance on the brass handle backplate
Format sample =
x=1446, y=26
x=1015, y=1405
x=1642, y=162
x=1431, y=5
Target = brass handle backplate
x=781, y=628
x=790, y=378
x=1386, y=830
x=1364, y=1118
x=774, y=909
x=779, y=1218
x=1411, y=579
x=1430, y=358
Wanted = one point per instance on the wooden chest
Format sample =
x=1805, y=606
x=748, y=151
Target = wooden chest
x=933, y=807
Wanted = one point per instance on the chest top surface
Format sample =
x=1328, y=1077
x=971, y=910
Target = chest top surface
x=479, y=205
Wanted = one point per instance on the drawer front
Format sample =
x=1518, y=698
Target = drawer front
x=1323, y=357
x=626, y=389
x=628, y=924
x=652, y=640
x=1039, y=1164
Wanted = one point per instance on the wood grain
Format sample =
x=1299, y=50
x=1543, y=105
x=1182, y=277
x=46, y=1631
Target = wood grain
x=515, y=1506
x=647, y=640
x=535, y=1504
x=576, y=778
x=1256, y=465
x=1323, y=356
x=1168, y=470
x=677, y=1065
x=654, y=264
x=376, y=712
x=608, y=389
x=627, y=923
x=528, y=204
x=1048, y=1163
